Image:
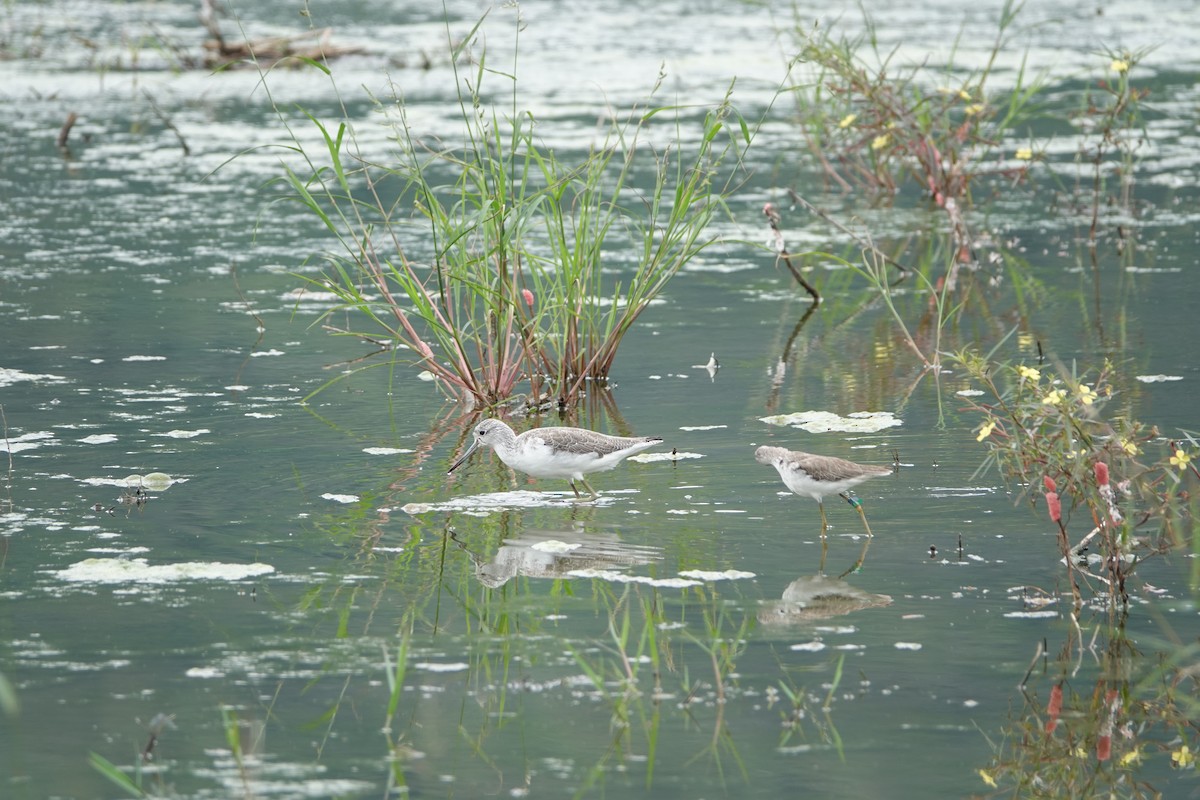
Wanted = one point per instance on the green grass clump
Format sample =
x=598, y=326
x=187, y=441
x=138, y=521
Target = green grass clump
x=496, y=264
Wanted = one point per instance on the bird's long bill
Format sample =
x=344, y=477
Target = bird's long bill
x=464, y=456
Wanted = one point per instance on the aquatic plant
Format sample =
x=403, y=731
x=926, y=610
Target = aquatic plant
x=1045, y=429
x=1113, y=128
x=872, y=124
x=495, y=264
x=131, y=786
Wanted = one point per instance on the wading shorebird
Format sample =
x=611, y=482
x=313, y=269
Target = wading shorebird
x=568, y=453
x=811, y=475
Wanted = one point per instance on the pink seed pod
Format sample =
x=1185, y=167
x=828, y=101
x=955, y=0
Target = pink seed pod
x=528, y=295
x=1049, y=483
x=1054, y=708
x=1054, y=506
x=1101, y=470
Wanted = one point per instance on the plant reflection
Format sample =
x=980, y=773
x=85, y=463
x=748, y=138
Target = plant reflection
x=1105, y=735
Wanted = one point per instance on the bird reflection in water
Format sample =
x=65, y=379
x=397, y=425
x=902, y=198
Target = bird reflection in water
x=552, y=554
x=811, y=598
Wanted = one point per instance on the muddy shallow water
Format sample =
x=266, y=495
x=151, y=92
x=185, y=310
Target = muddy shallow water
x=322, y=612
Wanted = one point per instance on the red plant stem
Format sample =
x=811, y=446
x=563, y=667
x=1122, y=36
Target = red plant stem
x=1064, y=544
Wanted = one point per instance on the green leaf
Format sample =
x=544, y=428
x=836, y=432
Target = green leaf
x=313, y=63
x=114, y=774
x=9, y=702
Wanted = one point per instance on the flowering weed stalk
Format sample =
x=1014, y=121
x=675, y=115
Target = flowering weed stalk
x=870, y=123
x=1114, y=131
x=1046, y=427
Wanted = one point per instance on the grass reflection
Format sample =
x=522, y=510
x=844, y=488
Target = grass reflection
x=480, y=665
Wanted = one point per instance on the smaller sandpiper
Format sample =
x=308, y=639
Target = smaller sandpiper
x=811, y=475
x=568, y=453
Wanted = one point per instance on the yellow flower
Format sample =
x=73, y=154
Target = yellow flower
x=963, y=94
x=1087, y=394
x=1129, y=447
x=987, y=778
x=1024, y=154
x=986, y=430
x=881, y=141
x=974, y=108
x=1054, y=397
x=847, y=120
x=1029, y=373
x=1180, y=459
x=1182, y=757
x=1119, y=65
x=1134, y=756
x=1079, y=752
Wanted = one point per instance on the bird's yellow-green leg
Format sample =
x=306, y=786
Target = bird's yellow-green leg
x=857, y=504
x=824, y=538
x=862, y=557
x=594, y=494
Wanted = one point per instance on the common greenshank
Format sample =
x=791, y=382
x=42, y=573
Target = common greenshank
x=556, y=452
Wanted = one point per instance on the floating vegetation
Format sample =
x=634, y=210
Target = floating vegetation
x=182, y=434
x=140, y=570
x=828, y=422
x=27, y=441
x=708, y=576
x=621, y=577
x=99, y=438
x=152, y=482
x=674, y=455
x=10, y=376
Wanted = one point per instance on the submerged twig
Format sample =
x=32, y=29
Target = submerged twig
x=166, y=121
x=65, y=131
x=865, y=244
x=1038, y=653
x=8, y=450
x=772, y=215
x=208, y=18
